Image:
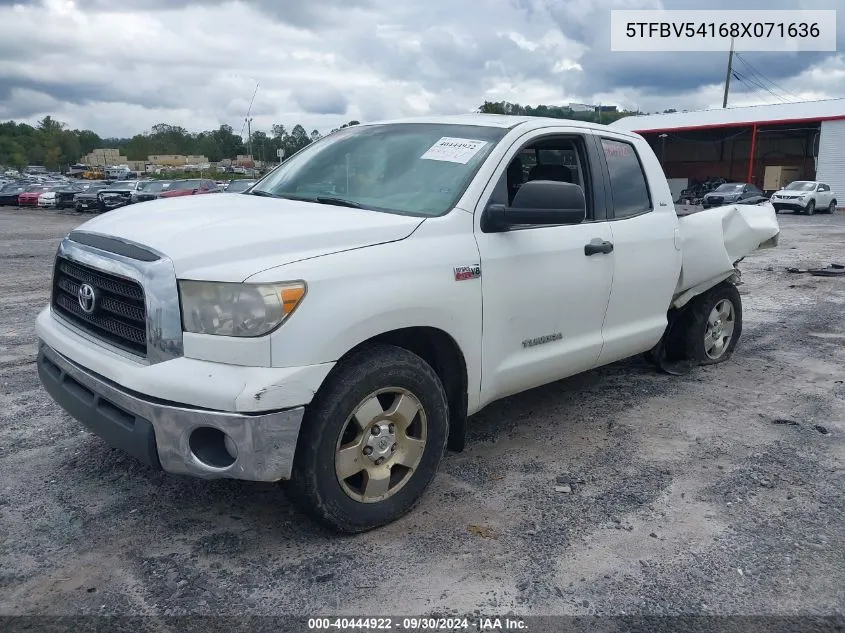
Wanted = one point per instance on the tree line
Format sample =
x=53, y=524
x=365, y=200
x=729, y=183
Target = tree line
x=597, y=115
x=52, y=144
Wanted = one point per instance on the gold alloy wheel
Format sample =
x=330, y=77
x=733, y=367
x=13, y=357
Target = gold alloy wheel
x=381, y=445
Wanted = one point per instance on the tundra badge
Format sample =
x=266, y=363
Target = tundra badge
x=462, y=273
x=548, y=338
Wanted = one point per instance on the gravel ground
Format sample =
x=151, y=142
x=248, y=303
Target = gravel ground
x=719, y=492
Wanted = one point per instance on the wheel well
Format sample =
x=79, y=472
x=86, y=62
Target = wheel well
x=439, y=350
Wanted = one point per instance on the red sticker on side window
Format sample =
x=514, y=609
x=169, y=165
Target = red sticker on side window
x=616, y=150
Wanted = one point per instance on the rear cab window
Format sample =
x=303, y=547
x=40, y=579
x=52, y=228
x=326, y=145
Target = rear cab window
x=630, y=195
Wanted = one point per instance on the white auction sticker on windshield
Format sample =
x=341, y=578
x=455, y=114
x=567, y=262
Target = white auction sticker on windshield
x=454, y=150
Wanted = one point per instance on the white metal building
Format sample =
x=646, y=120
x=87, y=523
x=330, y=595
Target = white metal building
x=739, y=143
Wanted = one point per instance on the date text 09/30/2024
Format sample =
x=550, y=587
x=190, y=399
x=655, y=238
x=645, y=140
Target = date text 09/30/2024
x=418, y=624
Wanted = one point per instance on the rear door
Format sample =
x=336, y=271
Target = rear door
x=824, y=195
x=646, y=246
x=544, y=295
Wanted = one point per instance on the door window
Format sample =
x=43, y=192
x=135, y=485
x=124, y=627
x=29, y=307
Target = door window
x=557, y=158
x=628, y=184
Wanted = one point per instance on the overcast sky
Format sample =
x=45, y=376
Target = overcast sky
x=120, y=66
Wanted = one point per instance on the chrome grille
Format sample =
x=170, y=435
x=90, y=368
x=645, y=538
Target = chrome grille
x=119, y=315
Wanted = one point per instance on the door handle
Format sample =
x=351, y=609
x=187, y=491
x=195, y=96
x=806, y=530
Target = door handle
x=594, y=248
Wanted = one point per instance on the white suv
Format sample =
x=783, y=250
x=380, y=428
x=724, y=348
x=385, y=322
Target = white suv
x=805, y=196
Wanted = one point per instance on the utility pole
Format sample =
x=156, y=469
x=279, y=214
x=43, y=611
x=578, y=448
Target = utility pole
x=249, y=135
x=728, y=75
x=662, y=138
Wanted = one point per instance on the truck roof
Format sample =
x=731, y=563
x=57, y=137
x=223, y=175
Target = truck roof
x=503, y=121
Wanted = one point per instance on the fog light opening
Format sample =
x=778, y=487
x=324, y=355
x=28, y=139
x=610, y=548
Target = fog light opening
x=213, y=447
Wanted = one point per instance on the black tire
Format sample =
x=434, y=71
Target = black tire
x=78, y=207
x=810, y=209
x=831, y=209
x=314, y=486
x=696, y=324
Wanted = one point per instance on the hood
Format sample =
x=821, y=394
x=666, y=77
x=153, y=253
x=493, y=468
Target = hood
x=223, y=238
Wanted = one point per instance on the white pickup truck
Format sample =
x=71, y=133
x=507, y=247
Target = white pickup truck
x=335, y=325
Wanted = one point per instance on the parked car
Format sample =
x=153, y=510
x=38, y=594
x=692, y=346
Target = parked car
x=150, y=190
x=29, y=198
x=88, y=199
x=9, y=194
x=58, y=196
x=180, y=188
x=805, y=196
x=337, y=336
x=239, y=185
x=65, y=196
x=118, y=194
x=732, y=193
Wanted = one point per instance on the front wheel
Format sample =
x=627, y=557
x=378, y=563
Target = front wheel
x=371, y=440
x=831, y=208
x=811, y=207
x=713, y=325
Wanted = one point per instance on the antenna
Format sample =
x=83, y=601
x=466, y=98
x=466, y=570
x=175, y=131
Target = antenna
x=249, y=109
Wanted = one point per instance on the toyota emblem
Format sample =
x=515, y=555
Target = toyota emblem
x=87, y=298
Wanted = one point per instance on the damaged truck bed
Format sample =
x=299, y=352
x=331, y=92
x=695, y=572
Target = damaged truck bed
x=713, y=241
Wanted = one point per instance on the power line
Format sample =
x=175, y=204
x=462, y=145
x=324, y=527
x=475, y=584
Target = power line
x=753, y=70
x=756, y=72
x=752, y=81
x=751, y=78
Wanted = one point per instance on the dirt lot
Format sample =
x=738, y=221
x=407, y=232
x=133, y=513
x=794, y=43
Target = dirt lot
x=719, y=492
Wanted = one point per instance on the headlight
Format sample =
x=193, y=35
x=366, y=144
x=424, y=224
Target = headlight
x=233, y=309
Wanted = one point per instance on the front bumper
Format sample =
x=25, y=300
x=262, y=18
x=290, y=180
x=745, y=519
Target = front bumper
x=177, y=438
x=788, y=205
x=47, y=203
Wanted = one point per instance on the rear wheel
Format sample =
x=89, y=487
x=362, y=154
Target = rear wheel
x=713, y=325
x=371, y=440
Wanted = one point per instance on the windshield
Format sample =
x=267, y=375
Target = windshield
x=184, y=184
x=800, y=185
x=239, y=185
x=154, y=186
x=407, y=168
x=730, y=187
x=120, y=185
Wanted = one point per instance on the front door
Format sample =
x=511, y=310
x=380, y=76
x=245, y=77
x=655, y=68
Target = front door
x=544, y=297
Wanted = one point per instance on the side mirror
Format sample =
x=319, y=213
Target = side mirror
x=538, y=202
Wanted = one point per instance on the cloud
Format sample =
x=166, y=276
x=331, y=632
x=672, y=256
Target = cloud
x=196, y=63
x=321, y=100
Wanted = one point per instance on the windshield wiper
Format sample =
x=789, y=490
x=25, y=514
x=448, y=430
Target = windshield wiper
x=340, y=202
x=337, y=201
